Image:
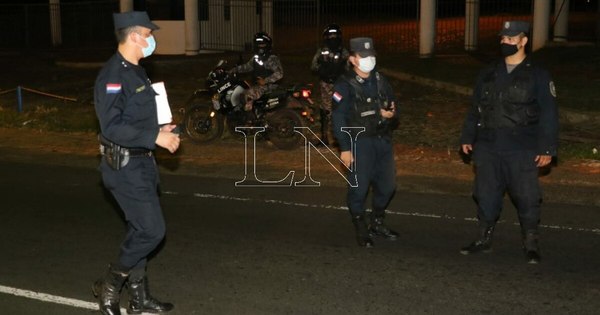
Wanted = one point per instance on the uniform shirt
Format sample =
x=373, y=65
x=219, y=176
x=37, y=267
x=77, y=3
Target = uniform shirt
x=343, y=104
x=272, y=63
x=125, y=104
x=541, y=137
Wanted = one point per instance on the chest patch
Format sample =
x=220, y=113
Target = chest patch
x=552, y=88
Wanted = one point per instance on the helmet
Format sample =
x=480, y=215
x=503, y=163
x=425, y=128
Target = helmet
x=332, y=36
x=262, y=44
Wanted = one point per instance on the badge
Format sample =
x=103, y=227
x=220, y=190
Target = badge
x=113, y=88
x=552, y=88
x=141, y=88
x=506, y=25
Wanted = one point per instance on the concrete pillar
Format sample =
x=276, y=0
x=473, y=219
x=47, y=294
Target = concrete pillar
x=471, y=24
x=541, y=21
x=598, y=24
x=55, y=24
x=192, y=28
x=561, y=20
x=125, y=5
x=427, y=28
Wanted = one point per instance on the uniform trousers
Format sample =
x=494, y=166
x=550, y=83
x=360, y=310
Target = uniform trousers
x=374, y=167
x=135, y=190
x=515, y=172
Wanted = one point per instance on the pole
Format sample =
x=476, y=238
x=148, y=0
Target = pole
x=471, y=24
x=427, y=28
x=192, y=28
x=125, y=5
x=19, y=100
x=55, y=28
x=561, y=20
x=541, y=19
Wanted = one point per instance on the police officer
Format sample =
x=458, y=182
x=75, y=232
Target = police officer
x=512, y=130
x=329, y=62
x=126, y=109
x=363, y=98
x=265, y=67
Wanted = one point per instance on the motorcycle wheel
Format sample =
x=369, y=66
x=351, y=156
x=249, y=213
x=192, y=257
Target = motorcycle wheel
x=202, y=123
x=281, y=129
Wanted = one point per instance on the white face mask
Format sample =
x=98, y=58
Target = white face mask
x=366, y=64
x=148, y=50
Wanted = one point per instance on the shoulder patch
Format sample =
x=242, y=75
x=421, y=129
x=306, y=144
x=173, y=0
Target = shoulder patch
x=113, y=88
x=337, y=97
x=552, y=88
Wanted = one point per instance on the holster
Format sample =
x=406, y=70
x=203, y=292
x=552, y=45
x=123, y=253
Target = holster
x=115, y=155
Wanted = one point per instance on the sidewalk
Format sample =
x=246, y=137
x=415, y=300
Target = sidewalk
x=418, y=169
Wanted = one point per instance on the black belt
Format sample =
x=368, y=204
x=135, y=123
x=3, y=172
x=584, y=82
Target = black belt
x=106, y=145
x=135, y=152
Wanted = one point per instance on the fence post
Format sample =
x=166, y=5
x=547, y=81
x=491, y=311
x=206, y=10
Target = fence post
x=19, y=99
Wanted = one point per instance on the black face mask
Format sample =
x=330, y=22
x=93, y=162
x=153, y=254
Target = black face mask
x=508, y=49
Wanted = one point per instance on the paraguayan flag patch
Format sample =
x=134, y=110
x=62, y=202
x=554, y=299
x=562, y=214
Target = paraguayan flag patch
x=337, y=97
x=113, y=88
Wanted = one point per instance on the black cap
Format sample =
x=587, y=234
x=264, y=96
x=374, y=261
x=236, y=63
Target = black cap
x=133, y=18
x=514, y=28
x=363, y=46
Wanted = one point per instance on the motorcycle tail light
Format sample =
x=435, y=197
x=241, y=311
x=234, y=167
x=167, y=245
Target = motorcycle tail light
x=306, y=93
x=296, y=94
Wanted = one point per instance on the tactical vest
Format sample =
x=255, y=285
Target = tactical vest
x=509, y=105
x=331, y=64
x=259, y=68
x=365, y=110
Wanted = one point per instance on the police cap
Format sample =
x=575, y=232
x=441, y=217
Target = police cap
x=514, y=28
x=363, y=46
x=133, y=18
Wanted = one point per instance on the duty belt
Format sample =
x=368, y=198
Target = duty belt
x=117, y=156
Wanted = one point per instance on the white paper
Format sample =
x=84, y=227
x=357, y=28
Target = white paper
x=163, y=110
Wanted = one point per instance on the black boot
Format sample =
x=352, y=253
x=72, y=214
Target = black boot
x=324, y=126
x=483, y=244
x=140, y=299
x=108, y=291
x=362, y=233
x=530, y=246
x=377, y=228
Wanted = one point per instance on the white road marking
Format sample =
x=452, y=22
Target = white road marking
x=44, y=297
x=48, y=298
x=393, y=212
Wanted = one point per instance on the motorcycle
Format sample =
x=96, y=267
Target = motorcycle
x=278, y=111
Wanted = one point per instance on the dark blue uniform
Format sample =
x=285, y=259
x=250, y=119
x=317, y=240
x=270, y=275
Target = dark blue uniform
x=126, y=108
x=512, y=120
x=357, y=103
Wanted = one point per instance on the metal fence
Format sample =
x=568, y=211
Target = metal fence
x=297, y=24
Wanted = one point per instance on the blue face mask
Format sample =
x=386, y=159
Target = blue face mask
x=148, y=50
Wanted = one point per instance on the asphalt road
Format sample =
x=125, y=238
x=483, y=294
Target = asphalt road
x=232, y=250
